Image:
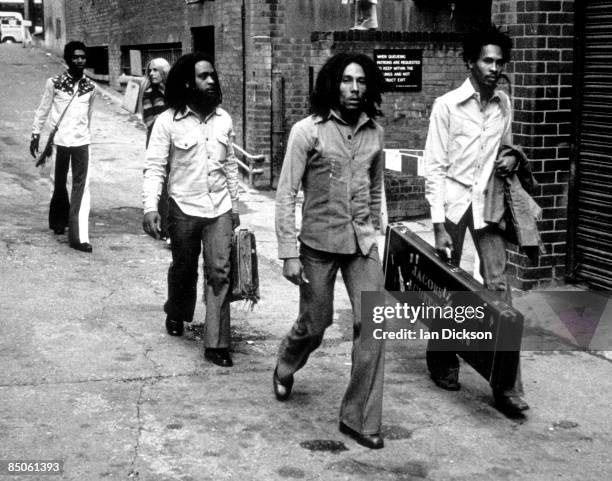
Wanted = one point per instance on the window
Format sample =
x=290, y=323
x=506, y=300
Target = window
x=170, y=51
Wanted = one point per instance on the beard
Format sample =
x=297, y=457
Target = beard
x=206, y=100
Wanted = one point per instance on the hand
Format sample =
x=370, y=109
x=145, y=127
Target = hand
x=235, y=220
x=151, y=223
x=34, y=145
x=293, y=270
x=504, y=166
x=444, y=242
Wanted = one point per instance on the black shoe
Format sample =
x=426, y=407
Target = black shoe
x=372, y=441
x=282, y=390
x=59, y=230
x=174, y=327
x=83, y=247
x=510, y=406
x=448, y=382
x=220, y=357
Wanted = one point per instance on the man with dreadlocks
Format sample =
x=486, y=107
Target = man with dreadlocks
x=195, y=137
x=467, y=127
x=336, y=154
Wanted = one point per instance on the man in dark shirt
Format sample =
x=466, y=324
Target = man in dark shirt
x=336, y=154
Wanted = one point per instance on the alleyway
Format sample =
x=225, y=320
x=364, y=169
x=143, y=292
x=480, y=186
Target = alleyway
x=89, y=375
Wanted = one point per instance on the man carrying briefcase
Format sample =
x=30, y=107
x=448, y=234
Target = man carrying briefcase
x=467, y=127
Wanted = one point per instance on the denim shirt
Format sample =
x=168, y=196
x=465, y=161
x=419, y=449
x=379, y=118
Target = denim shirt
x=341, y=170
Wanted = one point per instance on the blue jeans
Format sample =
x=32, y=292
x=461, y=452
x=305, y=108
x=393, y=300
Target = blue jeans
x=361, y=407
x=213, y=236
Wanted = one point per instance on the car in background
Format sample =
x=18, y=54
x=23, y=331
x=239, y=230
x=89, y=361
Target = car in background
x=11, y=27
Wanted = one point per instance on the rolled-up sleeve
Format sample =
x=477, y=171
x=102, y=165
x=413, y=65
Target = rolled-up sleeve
x=294, y=165
x=156, y=160
x=230, y=167
x=436, y=161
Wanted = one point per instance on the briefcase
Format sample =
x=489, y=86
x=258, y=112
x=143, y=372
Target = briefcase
x=244, y=277
x=411, y=264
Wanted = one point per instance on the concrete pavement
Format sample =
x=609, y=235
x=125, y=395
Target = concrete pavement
x=90, y=376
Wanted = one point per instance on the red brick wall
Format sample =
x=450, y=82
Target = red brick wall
x=541, y=73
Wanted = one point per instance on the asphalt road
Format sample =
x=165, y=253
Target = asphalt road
x=90, y=377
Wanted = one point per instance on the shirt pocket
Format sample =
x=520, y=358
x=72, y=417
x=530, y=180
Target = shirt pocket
x=185, y=148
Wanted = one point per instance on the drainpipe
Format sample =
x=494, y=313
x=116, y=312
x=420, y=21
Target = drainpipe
x=244, y=74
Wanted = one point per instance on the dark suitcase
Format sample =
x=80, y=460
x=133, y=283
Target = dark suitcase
x=411, y=264
x=244, y=277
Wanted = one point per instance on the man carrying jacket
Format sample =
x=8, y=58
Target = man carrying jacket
x=467, y=127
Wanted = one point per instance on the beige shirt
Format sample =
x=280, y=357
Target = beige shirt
x=203, y=178
x=462, y=145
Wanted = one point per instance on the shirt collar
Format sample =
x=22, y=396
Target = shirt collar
x=188, y=111
x=467, y=91
x=333, y=114
x=71, y=78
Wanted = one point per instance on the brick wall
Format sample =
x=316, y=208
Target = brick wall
x=406, y=114
x=113, y=23
x=541, y=73
x=226, y=18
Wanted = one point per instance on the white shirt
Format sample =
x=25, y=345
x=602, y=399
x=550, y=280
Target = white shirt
x=460, y=152
x=74, y=129
x=203, y=178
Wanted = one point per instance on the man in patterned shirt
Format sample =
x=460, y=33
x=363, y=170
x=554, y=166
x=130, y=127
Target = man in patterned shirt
x=73, y=93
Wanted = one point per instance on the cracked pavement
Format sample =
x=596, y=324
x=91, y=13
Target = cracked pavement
x=90, y=376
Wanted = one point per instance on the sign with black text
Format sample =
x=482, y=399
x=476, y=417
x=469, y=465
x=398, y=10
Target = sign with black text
x=402, y=69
